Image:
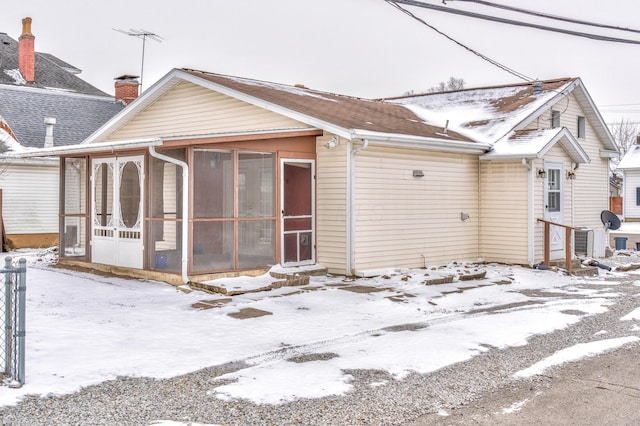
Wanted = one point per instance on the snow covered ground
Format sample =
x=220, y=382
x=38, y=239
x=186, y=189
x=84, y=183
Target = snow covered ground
x=83, y=329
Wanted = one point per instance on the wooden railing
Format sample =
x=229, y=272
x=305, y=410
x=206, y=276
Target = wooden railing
x=567, y=242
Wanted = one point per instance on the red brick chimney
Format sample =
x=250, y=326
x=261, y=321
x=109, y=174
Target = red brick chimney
x=126, y=88
x=26, y=52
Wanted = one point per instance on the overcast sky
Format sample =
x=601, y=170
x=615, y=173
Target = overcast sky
x=356, y=47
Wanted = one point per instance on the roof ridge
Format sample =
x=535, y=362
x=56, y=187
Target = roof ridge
x=291, y=86
x=499, y=86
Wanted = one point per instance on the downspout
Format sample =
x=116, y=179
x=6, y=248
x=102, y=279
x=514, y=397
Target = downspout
x=351, y=220
x=185, y=208
x=531, y=249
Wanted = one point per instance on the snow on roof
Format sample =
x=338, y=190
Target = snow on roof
x=526, y=143
x=484, y=114
x=631, y=159
x=9, y=144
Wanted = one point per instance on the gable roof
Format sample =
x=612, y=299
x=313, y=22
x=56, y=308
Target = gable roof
x=346, y=116
x=57, y=92
x=535, y=143
x=472, y=119
x=488, y=114
x=77, y=116
x=631, y=159
x=50, y=72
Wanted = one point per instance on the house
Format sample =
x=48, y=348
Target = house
x=43, y=103
x=206, y=174
x=629, y=231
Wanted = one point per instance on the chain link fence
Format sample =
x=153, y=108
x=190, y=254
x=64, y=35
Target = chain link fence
x=13, y=304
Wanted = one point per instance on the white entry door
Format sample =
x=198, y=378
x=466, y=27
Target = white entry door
x=117, y=214
x=553, y=208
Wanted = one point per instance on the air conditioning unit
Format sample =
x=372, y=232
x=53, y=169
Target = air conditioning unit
x=583, y=243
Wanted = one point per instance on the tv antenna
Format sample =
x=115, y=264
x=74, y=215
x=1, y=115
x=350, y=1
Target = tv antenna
x=144, y=35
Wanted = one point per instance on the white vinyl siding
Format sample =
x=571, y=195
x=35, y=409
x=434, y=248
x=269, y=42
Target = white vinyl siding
x=591, y=182
x=631, y=209
x=407, y=221
x=331, y=190
x=504, y=206
x=30, y=197
x=189, y=109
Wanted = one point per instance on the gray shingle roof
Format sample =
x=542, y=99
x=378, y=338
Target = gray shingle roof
x=50, y=71
x=78, y=107
x=77, y=116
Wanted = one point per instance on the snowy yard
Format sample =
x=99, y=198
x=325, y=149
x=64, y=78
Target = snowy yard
x=83, y=329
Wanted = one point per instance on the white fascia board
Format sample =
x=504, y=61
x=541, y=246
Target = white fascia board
x=571, y=147
x=40, y=161
x=510, y=157
x=605, y=133
x=605, y=153
x=419, y=142
x=94, y=147
x=234, y=134
x=261, y=103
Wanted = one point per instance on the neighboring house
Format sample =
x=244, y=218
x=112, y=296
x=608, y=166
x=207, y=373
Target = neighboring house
x=43, y=103
x=629, y=167
x=207, y=174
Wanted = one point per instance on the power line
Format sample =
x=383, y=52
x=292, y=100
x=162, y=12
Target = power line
x=546, y=15
x=486, y=58
x=516, y=23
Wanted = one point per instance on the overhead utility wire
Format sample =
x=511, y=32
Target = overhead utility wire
x=517, y=23
x=486, y=58
x=546, y=15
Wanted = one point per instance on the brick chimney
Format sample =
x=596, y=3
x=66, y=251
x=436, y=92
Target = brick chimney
x=126, y=88
x=26, y=52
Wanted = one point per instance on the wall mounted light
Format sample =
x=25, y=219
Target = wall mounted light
x=571, y=174
x=418, y=173
x=542, y=173
x=464, y=216
x=333, y=142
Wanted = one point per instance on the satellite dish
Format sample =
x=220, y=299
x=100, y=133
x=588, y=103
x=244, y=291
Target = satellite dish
x=610, y=220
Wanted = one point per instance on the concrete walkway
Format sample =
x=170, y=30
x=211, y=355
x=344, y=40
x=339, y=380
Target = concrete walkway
x=604, y=390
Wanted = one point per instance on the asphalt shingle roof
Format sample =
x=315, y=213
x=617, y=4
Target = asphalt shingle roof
x=50, y=71
x=344, y=111
x=76, y=116
x=78, y=107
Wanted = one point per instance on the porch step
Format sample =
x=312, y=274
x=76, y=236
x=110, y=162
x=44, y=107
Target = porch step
x=283, y=280
x=577, y=268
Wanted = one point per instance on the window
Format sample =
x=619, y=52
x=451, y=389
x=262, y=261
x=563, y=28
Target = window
x=638, y=196
x=555, y=118
x=582, y=127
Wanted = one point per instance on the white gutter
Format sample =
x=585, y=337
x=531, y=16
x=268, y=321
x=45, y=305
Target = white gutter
x=351, y=196
x=185, y=208
x=531, y=250
x=92, y=147
x=418, y=142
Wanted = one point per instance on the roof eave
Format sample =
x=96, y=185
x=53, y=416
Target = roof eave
x=419, y=142
x=89, y=148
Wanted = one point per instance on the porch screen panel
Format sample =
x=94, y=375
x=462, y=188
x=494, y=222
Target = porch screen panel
x=213, y=174
x=213, y=210
x=103, y=202
x=73, y=232
x=165, y=222
x=256, y=200
x=213, y=246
